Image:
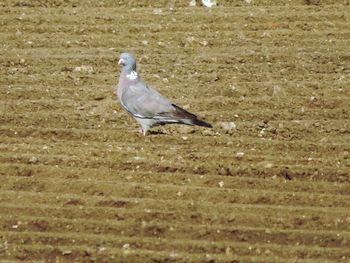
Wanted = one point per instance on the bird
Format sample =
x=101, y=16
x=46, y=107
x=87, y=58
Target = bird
x=146, y=105
x=207, y=3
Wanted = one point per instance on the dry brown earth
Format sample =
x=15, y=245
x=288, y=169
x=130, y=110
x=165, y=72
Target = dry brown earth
x=79, y=184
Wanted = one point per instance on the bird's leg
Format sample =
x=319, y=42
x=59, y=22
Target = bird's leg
x=143, y=131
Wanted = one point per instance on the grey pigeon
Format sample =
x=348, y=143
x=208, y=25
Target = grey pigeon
x=145, y=104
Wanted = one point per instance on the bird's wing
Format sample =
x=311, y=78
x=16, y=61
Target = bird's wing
x=142, y=101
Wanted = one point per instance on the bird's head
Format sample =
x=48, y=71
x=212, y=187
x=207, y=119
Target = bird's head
x=127, y=61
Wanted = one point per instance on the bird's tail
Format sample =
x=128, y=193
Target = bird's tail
x=200, y=123
x=188, y=118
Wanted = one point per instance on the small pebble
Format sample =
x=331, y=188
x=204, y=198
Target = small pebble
x=240, y=154
x=66, y=252
x=228, y=127
x=126, y=246
x=88, y=69
x=33, y=160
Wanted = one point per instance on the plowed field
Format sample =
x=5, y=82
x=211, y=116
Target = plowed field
x=270, y=181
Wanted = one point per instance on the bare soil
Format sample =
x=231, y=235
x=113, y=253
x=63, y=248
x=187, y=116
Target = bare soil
x=270, y=181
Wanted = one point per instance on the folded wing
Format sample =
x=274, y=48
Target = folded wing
x=144, y=102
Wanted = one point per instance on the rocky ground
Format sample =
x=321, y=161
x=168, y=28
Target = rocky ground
x=270, y=181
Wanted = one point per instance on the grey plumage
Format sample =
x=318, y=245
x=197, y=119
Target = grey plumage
x=146, y=105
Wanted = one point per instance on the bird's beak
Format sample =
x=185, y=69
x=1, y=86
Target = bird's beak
x=121, y=62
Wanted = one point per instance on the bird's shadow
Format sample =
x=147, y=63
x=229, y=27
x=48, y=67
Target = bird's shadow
x=169, y=132
x=157, y=132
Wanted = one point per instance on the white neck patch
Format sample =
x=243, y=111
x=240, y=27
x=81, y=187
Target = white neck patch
x=132, y=75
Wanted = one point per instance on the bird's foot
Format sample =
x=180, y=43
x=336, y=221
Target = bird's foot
x=142, y=132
